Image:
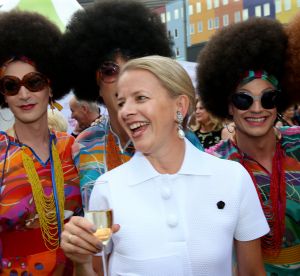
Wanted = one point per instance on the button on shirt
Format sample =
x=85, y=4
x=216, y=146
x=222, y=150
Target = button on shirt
x=170, y=224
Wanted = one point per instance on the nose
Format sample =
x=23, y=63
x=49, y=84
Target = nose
x=256, y=105
x=24, y=93
x=127, y=109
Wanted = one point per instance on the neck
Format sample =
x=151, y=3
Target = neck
x=261, y=149
x=35, y=135
x=118, y=129
x=206, y=127
x=169, y=159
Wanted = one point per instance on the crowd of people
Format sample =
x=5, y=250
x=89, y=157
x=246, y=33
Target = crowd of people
x=201, y=181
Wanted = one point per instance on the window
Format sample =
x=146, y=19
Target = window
x=163, y=17
x=191, y=10
x=237, y=16
x=267, y=9
x=245, y=14
x=177, y=52
x=225, y=2
x=200, y=26
x=216, y=3
x=298, y=3
x=198, y=7
x=175, y=33
x=278, y=7
x=192, y=29
x=169, y=34
x=287, y=5
x=210, y=24
x=209, y=4
x=168, y=16
x=258, y=11
x=217, y=22
x=225, y=20
x=176, y=14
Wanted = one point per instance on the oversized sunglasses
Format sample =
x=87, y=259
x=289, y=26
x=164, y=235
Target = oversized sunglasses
x=243, y=100
x=33, y=81
x=108, y=72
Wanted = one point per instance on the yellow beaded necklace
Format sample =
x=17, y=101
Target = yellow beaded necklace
x=48, y=207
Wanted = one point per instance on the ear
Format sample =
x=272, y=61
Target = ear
x=182, y=104
x=84, y=107
x=50, y=92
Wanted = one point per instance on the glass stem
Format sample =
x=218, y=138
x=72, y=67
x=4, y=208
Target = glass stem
x=104, y=263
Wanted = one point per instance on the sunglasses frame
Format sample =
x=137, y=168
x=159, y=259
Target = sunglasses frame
x=23, y=82
x=255, y=98
x=106, y=77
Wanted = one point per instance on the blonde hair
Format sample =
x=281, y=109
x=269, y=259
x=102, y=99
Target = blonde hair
x=170, y=74
x=56, y=121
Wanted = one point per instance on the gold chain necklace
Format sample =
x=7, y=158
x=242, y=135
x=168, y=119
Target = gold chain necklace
x=46, y=206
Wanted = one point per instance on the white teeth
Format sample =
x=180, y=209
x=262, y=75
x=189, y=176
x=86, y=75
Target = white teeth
x=136, y=125
x=255, y=119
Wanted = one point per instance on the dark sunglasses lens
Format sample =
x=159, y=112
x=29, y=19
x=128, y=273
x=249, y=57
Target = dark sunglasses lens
x=109, y=72
x=268, y=100
x=35, y=82
x=242, y=101
x=10, y=86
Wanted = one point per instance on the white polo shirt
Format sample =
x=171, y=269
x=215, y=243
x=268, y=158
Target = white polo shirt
x=180, y=224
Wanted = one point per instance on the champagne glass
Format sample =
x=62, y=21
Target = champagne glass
x=101, y=216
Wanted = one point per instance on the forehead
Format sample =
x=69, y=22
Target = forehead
x=134, y=80
x=18, y=68
x=256, y=85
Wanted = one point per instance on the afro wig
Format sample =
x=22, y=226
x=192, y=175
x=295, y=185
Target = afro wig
x=31, y=35
x=255, y=44
x=95, y=34
x=291, y=80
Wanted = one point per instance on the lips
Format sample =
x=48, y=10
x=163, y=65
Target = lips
x=27, y=106
x=137, y=128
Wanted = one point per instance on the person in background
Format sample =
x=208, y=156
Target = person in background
x=249, y=79
x=207, y=128
x=287, y=117
x=96, y=45
x=181, y=218
x=39, y=183
x=56, y=121
x=86, y=113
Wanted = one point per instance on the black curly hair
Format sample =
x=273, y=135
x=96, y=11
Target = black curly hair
x=291, y=80
x=255, y=44
x=35, y=37
x=95, y=34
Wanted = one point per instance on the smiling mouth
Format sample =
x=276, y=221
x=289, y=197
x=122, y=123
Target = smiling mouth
x=256, y=120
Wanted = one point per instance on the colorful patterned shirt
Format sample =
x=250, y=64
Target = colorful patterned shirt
x=290, y=143
x=23, y=250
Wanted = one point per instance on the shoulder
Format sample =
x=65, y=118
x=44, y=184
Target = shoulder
x=91, y=135
x=225, y=149
x=4, y=140
x=290, y=141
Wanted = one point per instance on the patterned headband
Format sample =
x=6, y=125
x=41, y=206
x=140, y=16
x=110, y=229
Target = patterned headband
x=12, y=59
x=259, y=74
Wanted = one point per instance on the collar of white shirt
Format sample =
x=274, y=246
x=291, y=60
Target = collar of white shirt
x=195, y=162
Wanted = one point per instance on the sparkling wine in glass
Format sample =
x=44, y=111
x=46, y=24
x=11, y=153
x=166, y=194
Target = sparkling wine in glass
x=101, y=216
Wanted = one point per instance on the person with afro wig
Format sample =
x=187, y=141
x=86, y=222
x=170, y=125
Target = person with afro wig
x=240, y=73
x=97, y=43
x=291, y=80
x=39, y=183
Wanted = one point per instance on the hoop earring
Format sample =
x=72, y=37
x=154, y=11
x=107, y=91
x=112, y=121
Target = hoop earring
x=179, y=118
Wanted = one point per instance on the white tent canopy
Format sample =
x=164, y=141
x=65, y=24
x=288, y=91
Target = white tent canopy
x=58, y=11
